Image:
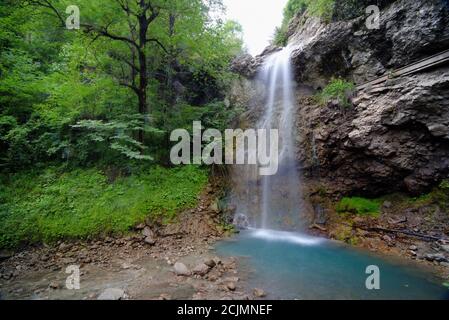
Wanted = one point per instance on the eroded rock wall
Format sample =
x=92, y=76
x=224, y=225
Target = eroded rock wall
x=394, y=138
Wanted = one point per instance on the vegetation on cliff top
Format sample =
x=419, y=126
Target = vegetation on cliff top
x=319, y=8
x=328, y=10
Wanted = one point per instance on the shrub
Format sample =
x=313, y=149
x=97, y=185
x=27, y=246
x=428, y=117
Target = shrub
x=339, y=89
x=444, y=185
x=53, y=204
x=280, y=36
x=359, y=205
x=318, y=8
x=321, y=8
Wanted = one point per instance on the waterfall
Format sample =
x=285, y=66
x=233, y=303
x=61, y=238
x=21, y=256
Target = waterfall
x=274, y=202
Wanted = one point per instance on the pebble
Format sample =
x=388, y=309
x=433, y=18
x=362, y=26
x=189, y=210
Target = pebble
x=387, y=204
x=259, y=293
x=231, y=286
x=201, y=269
x=54, y=285
x=164, y=296
x=112, y=294
x=210, y=263
x=150, y=241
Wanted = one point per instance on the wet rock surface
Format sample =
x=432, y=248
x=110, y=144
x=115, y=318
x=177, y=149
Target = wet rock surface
x=394, y=136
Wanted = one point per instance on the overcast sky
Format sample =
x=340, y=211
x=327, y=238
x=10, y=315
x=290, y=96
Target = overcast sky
x=258, y=18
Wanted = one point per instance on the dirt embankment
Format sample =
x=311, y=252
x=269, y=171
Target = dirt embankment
x=414, y=229
x=156, y=261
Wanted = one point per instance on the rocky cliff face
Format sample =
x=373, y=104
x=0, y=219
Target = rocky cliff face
x=395, y=136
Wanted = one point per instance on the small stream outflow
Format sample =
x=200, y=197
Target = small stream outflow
x=273, y=202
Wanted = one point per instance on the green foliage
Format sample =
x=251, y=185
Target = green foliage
x=280, y=36
x=118, y=134
x=62, y=93
x=339, y=89
x=439, y=196
x=444, y=185
x=52, y=204
x=359, y=205
x=319, y=8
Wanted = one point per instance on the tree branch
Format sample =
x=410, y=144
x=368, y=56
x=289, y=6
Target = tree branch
x=158, y=43
x=47, y=4
x=123, y=59
x=103, y=31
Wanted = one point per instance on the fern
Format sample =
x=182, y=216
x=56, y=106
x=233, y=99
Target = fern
x=118, y=134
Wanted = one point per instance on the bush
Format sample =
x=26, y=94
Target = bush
x=318, y=8
x=339, y=89
x=52, y=204
x=359, y=206
x=321, y=8
x=280, y=38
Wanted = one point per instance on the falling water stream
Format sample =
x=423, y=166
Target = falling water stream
x=280, y=192
x=273, y=202
x=279, y=256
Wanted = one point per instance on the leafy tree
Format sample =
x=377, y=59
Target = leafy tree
x=53, y=80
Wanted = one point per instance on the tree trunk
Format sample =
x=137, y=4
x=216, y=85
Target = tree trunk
x=143, y=84
x=143, y=76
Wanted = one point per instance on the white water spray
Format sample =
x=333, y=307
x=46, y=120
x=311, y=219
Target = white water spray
x=277, y=198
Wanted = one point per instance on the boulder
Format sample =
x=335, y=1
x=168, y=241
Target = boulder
x=147, y=232
x=181, y=269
